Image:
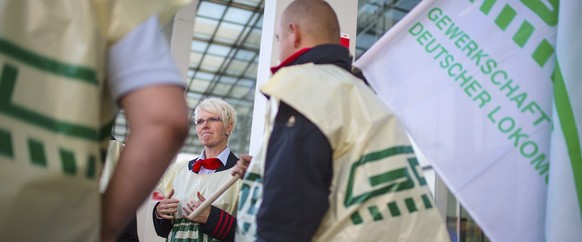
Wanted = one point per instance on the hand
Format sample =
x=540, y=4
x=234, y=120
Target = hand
x=242, y=165
x=167, y=207
x=192, y=205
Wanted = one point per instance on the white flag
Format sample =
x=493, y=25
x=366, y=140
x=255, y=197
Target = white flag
x=564, y=217
x=472, y=82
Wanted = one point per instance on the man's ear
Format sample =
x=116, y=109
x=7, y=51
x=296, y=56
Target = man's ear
x=295, y=34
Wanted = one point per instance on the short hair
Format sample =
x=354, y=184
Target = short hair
x=217, y=106
x=316, y=17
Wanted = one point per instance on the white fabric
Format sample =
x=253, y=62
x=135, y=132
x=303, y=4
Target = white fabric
x=488, y=136
x=564, y=217
x=113, y=152
x=141, y=58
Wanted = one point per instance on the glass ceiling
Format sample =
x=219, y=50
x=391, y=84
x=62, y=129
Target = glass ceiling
x=223, y=63
x=225, y=51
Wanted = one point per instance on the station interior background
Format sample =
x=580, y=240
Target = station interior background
x=223, y=62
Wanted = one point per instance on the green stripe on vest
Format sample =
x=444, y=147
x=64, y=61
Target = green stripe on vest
x=46, y=64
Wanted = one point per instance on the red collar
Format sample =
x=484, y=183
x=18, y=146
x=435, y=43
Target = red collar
x=289, y=60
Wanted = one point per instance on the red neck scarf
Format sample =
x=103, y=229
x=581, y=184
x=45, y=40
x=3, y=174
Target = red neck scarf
x=289, y=60
x=208, y=164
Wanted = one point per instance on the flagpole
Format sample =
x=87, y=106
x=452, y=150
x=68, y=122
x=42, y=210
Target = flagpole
x=393, y=32
x=213, y=197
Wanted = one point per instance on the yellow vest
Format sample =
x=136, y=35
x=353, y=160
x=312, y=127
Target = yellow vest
x=56, y=112
x=378, y=191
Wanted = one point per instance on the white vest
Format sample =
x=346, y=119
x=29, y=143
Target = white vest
x=185, y=184
x=378, y=191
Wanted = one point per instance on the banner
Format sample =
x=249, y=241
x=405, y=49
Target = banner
x=564, y=217
x=473, y=83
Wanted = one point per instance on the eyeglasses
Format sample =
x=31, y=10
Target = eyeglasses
x=209, y=120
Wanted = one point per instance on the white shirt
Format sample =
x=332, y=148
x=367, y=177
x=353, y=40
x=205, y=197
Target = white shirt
x=141, y=58
x=223, y=157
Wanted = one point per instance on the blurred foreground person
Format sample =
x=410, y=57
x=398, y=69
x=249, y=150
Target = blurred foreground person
x=63, y=67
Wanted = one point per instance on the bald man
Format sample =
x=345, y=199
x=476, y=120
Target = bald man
x=336, y=164
x=297, y=166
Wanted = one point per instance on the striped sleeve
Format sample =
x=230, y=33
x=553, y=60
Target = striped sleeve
x=220, y=225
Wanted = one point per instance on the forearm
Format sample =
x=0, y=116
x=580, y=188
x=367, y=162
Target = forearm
x=158, y=129
x=145, y=158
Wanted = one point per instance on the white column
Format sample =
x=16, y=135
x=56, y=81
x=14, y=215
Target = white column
x=347, y=14
x=181, y=37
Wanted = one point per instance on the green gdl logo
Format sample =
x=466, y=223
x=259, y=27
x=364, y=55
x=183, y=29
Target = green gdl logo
x=395, y=180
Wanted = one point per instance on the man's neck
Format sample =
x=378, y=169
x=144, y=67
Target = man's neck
x=289, y=60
